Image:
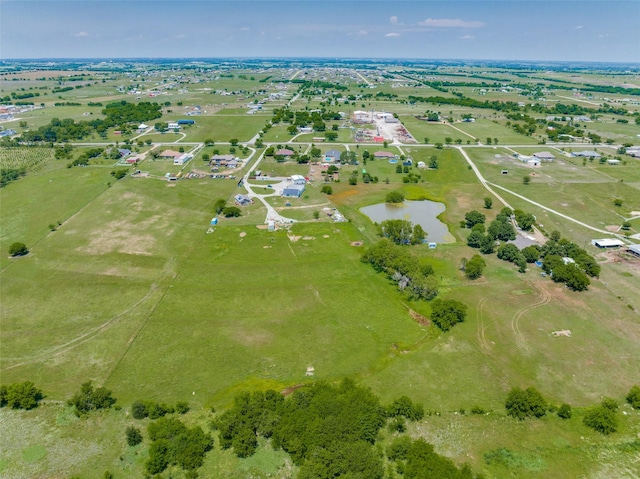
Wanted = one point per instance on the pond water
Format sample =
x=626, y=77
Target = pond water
x=425, y=213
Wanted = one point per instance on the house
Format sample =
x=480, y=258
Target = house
x=170, y=154
x=533, y=162
x=587, y=154
x=293, y=191
x=142, y=127
x=361, y=117
x=407, y=162
x=124, y=152
x=305, y=129
x=469, y=120
x=634, y=249
x=607, y=243
x=544, y=156
x=185, y=122
x=172, y=125
x=332, y=156
x=391, y=119
x=242, y=200
x=284, y=152
x=422, y=165
x=383, y=154
x=182, y=159
x=222, y=160
x=298, y=180
x=613, y=162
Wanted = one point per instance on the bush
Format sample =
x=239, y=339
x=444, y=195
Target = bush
x=20, y=395
x=474, y=267
x=473, y=218
x=134, y=436
x=394, y=197
x=522, y=404
x=602, y=419
x=327, y=189
x=231, y=211
x=90, y=399
x=633, y=397
x=564, y=412
x=18, y=249
x=182, y=407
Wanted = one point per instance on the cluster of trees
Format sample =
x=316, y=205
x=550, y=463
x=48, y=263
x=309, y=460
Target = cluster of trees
x=90, y=399
x=399, y=264
x=402, y=232
x=7, y=175
x=603, y=417
x=474, y=267
x=173, y=443
x=522, y=404
x=394, y=197
x=23, y=395
x=500, y=229
x=221, y=207
x=86, y=156
x=119, y=114
x=156, y=410
x=575, y=275
x=18, y=249
x=329, y=431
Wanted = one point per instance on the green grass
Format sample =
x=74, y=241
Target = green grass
x=224, y=127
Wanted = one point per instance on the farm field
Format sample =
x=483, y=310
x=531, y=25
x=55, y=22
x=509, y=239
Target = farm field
x=132, y=284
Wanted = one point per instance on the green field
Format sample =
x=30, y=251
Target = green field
x=129, y=285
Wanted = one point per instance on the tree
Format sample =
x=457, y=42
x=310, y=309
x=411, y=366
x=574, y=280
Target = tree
x=398, y=231
x=488, y=245
x=474, y=217
x=508, y=252
x=446, y=313
x=418, y=235
x=617, y=202
x=524, y=220
x=316, y=215
x=475, y=239
x=526, y=180
x=91, y=399
x=231, y=211
x=528, y=403
x=633, y=397
x=488, y=203
x=327, y=189
x=233, y=141
x=209, y=142
x=20, y=395
x=18, y=249
x=474, y=267
x=394, y=197
x=601, y=418
x=531, y=253
x=133, y=435
x=219, y=205
x=433, y=162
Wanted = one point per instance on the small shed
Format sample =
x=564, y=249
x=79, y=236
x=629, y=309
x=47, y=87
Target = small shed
x=607, y=243
x=214, y=221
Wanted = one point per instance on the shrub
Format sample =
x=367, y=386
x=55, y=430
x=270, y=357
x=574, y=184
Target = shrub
x=564, y=412
x=522, y=404
x=474, y=267
x=133, y=435
x=446, y=313
x=327, y=189
x=602, y=419
x=633, y=397
x=90, y=399
x=394, y=197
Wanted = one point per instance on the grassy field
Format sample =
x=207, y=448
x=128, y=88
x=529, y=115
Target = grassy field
x=136, y=292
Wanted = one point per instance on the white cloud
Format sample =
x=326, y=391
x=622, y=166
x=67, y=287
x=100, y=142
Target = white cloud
x=393, y=20
x=604, y=35
x=363, y=33
x=450, y=23
x=81, y=34
x=392, y=35
x=579, y=27
x=181, y=36
x=245, y=29
x=467, y=37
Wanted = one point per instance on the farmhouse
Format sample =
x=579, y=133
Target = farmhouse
x=172, y=125
x=544, y=156
x=284, y=152
x=587, y=154
x=607, y=243
x=293, y=191
x=383, y=154
x=332, y=156
x=242, y=200
x=170, y=154
x=634, y=249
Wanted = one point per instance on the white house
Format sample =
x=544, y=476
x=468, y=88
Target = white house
x=173, y=125
x=298, y=180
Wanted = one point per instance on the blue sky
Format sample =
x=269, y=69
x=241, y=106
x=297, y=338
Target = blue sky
x=478, y=29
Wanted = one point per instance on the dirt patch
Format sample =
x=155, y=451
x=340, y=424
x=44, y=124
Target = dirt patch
x=423, y=320
x=612, y=228
x=357, y=243
x=294, y=238
x=262, y=227
x=308, y=238
x=242, y=234
x=343, y=195
x=325, y=236
x=290, y=389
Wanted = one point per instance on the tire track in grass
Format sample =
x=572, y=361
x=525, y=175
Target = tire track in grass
x=521, y=342
x=485, y=347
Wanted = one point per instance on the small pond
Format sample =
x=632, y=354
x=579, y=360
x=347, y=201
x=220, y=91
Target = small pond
x=425, y=213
